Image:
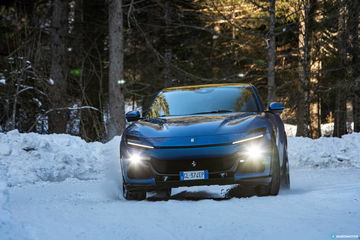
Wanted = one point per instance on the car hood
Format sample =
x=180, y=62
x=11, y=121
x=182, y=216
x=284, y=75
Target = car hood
x=197, y=129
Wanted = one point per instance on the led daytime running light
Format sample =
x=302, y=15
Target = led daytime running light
x=248, y=139
x=140, y=145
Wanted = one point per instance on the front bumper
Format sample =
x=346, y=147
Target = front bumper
x=225, y=165
x=146, y=178
x=153, y=184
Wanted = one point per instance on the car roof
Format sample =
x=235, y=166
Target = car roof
x=208, y=86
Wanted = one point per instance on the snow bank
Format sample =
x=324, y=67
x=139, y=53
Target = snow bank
x=31, y=157
x=325, y=152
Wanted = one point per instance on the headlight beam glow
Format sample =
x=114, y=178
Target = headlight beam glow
x=254, y=152
x=136, y=158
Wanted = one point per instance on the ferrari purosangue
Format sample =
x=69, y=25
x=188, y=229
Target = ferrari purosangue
x=205, y=135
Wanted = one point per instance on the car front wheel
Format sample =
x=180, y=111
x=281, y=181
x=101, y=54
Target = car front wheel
x=274, y=186
x=285, y=177
x=133, y=195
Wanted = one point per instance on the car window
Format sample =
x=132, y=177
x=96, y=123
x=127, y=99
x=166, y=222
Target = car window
x=203, y=100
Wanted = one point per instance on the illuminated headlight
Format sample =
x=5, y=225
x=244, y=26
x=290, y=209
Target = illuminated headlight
x=140, y=145
x=254, y=152
x=136, y=158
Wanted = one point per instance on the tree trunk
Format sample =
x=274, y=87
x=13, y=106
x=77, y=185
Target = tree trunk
x=314, y=108
x=341, y=93
x=271, y=54
x=116, y=121
x=340, y=114
x=354, y=31
x=306, y=21
x=78, y=33
x=59, y=67
x=315, y=69
x=356, y=108
x=168, y=51
x=302, y=99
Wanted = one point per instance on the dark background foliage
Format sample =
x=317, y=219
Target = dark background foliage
x=174, y=43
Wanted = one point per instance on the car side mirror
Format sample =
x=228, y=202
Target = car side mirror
x=132, y=116
x=276, y=107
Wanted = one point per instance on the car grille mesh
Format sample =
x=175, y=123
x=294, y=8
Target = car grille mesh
x=175, y=166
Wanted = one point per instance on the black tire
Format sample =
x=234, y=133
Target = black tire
x=275, y=180
x=164, y=193
x=133, y=195
x=167, y=193
x=285, y=178
x=241, y=191
x=274, y=186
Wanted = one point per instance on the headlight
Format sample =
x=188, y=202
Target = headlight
x=248, y=139
x=255, y=148
x=137, y=144
x=136, y=158
x=254, y=152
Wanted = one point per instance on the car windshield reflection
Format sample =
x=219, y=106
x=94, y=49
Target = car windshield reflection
x=205, y=100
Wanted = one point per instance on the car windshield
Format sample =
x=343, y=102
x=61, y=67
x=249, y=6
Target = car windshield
x=203, y=100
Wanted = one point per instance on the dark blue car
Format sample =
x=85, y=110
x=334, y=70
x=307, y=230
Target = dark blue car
x=214, y=134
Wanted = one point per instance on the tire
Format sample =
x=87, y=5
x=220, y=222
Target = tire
x=272, y=189
x=164, y=193
x=133, y=195
x=167, y=193
x=241, y=191
x=275, y=180
x=285, y=178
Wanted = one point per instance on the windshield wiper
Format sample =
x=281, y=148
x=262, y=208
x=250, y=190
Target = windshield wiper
x=217, y=111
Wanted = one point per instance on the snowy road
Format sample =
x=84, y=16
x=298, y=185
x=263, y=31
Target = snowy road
x=322, y=202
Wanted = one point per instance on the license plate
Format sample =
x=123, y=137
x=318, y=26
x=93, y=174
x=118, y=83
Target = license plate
x=194, y=175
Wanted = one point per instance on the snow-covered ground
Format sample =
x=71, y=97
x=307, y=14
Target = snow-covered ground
x=321, y=203
x=60, y=187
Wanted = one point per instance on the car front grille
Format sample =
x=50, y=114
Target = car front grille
x=222, y=164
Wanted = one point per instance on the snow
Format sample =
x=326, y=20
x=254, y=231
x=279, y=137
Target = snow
x=37, y=101
x=5, y=149
x=325, y=152
x=321, y=203
x=2, y=78
x=51, y=81
x=10, y=228
x=31, y=157
x=47, y=181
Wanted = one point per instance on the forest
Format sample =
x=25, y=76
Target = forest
x=76, y=66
